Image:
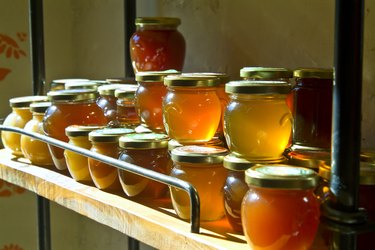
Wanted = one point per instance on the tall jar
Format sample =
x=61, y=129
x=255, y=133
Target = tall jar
x=280, y=210
x=191, y=108
x=312, y=108
x=18, y=118
x=201, y=166
x=149, y=98
x=126, y=111
x=157, y=45
x=150, y=151
x=257, y=120
x=35, y=150
x=70, y=107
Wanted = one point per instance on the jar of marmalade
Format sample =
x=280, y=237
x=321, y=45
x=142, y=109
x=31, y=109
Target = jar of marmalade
x=35, y=150
x=312, y=107
x=70, y=107
x=201, y=166
x=157, y=44
x=105, y=142
x=191, y=108
x=149, y=98
x=149, y=150
x=18, y=118
x=280, y=195
x=126, y=111
x=257, y=120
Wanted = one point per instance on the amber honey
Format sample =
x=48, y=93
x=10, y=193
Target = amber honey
x=126, y=111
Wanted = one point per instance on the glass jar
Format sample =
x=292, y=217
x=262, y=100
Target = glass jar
x=149, y=151
x=82, y=85
x=149, y=98
x=201, y=166
x=191, y=108
x=157, y=45
x=18, y=118
x=280, y=210
x=59, y=84
x=257, y=120
x=172, y=144
x=126, y=112
x=77, y=164
x=35, y=150
x=70, y=107
x=105, y=142
x=312, y=107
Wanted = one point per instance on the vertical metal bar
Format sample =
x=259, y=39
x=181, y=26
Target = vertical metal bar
x=133, y=244
x=129, y=28
x=37, y=46
x=44, y=235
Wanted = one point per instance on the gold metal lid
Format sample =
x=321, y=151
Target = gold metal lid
x=224, y=78
x=109, y=134
x=313, y=73
x=235, y=163
x=72, y=95
x=126, y=92
x=64, y=81
x=39, y=107
x=121, y=80
x=199, y=154
x=191, y=80
x=281, y=177
x=266, y=73
x=25, y=101
x=110, y=89
x=313, y=159
x=367, y=155
x=157, y=21
x=81, y=85
x=100, y=82
x=144, y=141
x=258, y=87
x=80, y=130
x=213, y=142
x=154, y=76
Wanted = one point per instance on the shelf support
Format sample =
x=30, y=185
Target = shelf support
x=129, y=29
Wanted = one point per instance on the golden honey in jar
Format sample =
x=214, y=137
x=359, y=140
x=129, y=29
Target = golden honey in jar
x=148, y=150
x=126, y=112
x=70, y=107
x=191, y=108
x=105, y=142
x=280, y=210
x=18, y=118
x=59, y=84
x=35, y=150
x=201, y=166
x=149, y=98
x=257, y=120
x=77, y=164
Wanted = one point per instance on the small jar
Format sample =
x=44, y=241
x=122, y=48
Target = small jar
x=105, y=142
x=59, y=84
x=35, y=150
x=280, y=210
x=312, y=107
x=257, y=120
x=202, y=167
x=149, y=98
x=191, y=108
x=81, y=85
x=18, y=118
x=77, y=164
x=70, y=107
x=126, y=111
x=157, y=45
x=149, y=151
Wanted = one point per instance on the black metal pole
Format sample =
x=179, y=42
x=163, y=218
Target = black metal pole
x=44, y=235
x=133, y=244
x=129, y=29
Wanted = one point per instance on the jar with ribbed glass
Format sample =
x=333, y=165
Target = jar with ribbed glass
x=18, y=118
x=257, y=120
x=70, y=107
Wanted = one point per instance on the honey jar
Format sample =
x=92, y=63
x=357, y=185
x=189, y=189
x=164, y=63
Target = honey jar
x=191, y=108
x=201, y=166
x=148, y=150
x=35, y=150
x=280, y=210
x=70, y=107
x=18, y=118
x=126, y=112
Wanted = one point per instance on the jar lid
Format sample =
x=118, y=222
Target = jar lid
x=310, y=159
x=235, y=163
x=72, y=95
x=154, y=76
x=144, y=141
x=109, y=134
x=126, y=92
x=81, y=85
x=224, y=78
x=39, y=107
x=367, y=156
x=213, y=142
x=110, y=89
x=191, y=80
x=313, y=73
x=157, y=21
x=258, y=87
x=121, y=80
x=25, y=101
x=265, y=73
x=281, y=177
x=79, y=130
x=142, y=129
x=199, y=154
x=99, y=82
x=64, y=81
